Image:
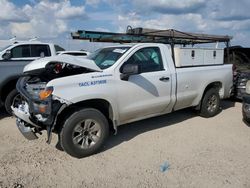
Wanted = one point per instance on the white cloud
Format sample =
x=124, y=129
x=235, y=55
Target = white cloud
x=44, y=19
x=228, y=10
x=187, y=22
x=242, y=36
x=110, y=2
x=214, y=17
x=52, y=18
x=67, y=11
x=102, y=29
x=131, y=19
x=93, y=2
x=9, y=12
x=170, y=6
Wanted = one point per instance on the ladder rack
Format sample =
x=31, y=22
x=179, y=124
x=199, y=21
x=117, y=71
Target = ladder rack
x=144, y=35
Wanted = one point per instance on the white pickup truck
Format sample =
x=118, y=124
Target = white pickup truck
x=81, y=99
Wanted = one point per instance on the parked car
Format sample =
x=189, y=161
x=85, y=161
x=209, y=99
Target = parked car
x=240, y=58
x=13, y=59
x=240, y=80
x=80, y=99
x=246, y=104
x=80, y=53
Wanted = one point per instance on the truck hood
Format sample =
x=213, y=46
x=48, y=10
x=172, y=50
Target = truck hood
x=68, y=59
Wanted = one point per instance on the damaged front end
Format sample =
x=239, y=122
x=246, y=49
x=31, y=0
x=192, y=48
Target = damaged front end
x=37, y=108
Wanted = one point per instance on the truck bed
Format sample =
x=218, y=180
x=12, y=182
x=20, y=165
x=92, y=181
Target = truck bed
x=192, y=81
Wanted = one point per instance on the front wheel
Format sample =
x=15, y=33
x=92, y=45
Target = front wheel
x=210, y=104
x=84, y=132
x=12, y=98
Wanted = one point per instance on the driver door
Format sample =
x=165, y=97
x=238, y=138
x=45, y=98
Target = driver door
x=148, y=92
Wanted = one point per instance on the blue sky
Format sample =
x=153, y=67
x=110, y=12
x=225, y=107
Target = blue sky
x=54, y=20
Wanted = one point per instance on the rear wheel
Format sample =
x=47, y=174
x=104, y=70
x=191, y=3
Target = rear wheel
x=84, y=132
x=210, y=103
x=12, y=97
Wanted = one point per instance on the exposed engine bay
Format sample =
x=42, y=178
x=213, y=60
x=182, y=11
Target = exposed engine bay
x=36, y=108
x=55, y=70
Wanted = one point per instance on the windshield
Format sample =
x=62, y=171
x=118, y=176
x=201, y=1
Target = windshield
x=2, y=49
x=59, y=48
x=106, y=57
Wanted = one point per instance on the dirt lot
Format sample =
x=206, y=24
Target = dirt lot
x=201, y=152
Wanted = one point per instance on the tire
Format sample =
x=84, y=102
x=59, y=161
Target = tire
x=84, y=132
x=9, y=100
x=210, y=105
x=245, y=118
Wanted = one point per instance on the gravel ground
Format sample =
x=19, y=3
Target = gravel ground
x=201, y=152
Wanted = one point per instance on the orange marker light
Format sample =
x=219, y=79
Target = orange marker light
x=42, y=109
x=44, y=94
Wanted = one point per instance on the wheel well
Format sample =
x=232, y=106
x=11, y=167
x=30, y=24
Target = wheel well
x=216, y=85
x=7, y=88
x=100, y=104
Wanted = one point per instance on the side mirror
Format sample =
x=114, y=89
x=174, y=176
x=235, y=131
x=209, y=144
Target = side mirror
x=7, y=55
x=128, y=70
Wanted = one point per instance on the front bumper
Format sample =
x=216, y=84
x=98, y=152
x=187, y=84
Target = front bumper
x=23, y=122
x=32, y=120
x=23, y=115
x=28, y=128
x=26, y=131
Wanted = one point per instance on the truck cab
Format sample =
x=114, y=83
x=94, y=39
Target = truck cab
x=30, y=50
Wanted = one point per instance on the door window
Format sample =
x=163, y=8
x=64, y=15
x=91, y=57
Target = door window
x=149, y=59
x=20, y=51
x=39, y=50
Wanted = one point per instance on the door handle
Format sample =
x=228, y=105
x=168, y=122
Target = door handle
x=164, y=79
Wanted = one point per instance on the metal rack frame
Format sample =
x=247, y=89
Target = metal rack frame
x=144, y=35
x=138, y=35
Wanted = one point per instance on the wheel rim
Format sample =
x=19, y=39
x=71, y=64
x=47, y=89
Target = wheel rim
x=86, y=134
x=212, y=103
